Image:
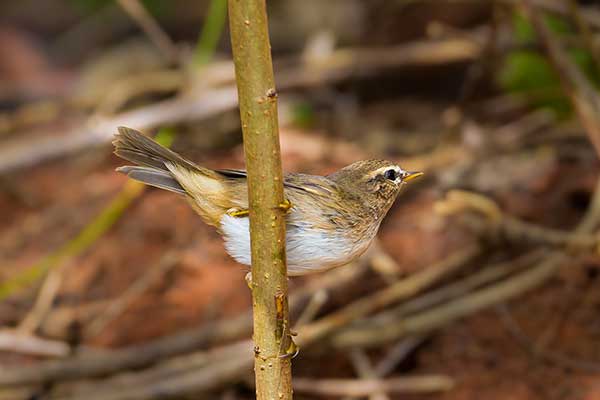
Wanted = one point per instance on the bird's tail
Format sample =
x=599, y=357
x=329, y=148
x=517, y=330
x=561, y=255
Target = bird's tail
x=160, y=167
x=155, y=163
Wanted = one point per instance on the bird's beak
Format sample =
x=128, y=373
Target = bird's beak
x=410, y=175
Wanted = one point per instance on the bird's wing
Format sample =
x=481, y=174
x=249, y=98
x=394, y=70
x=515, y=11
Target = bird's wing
x=316, y=185
x=232, y=173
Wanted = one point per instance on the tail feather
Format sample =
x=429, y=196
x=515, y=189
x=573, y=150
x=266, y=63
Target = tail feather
x=153, y=160
x=139, y=149
x=165, y=169
x=153, y=177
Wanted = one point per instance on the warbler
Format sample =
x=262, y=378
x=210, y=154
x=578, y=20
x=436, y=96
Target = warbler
x=331, y=220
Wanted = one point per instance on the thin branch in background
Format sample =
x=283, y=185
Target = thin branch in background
x=485, y=276
x=316, y=302
x=19, y=342
x=44, y=300
x=492, y=223
x=364, y=387
x=170, y=80
x=591, y=219
x=399, y=291
x=363, y=366
x=224, y=365
x=120, y=305
x=123, y=90
x=398, y=353
x=441, y=315
x=553, y=357
x=383, y=264
x=146, y=21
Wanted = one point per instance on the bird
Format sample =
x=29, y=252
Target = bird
x=331, y=219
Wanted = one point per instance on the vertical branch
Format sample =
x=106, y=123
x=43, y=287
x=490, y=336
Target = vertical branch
x=258, y=109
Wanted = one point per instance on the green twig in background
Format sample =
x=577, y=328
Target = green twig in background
x=212, y=31
x=87, y=237
x=258, y=110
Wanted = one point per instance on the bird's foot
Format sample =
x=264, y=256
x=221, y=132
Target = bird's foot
x=285, y=206
x=292, y=351
x=237, y=212
x=241, y=212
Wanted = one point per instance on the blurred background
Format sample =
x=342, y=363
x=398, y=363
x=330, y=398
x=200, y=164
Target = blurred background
x=482, y=284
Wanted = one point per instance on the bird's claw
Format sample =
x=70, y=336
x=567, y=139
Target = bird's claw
x=292, y=351
x=237, y=212
x=285, y=206
x=241, y=212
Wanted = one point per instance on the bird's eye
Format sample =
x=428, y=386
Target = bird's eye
x=390, y=174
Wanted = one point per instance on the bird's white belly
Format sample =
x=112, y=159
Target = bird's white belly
x=307, y=249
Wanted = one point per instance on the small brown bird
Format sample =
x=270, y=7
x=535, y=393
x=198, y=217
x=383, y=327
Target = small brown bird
x=331, y=221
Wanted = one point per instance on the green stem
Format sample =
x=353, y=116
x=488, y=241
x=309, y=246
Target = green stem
x=211, y=32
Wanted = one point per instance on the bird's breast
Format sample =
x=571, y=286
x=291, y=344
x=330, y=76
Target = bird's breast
x=308, y=249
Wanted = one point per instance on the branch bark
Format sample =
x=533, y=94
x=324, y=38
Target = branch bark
x=258, y=109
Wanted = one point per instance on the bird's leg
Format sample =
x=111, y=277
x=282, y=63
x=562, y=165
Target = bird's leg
x=244, y=212
x=285, y=206
x=238, y=212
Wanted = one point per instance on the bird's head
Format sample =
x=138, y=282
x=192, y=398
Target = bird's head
x=377, y=181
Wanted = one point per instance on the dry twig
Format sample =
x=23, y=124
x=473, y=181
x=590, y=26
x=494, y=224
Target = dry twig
x=497, y=224
x=119, y=305
x=441, y=315
x=44, y=300
x=19, y=342
x=454, y=290
x=553, y=357
x=364, y=387
x=399, y=291
x=364, y=368
x=397, y=353
x=144, y=19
